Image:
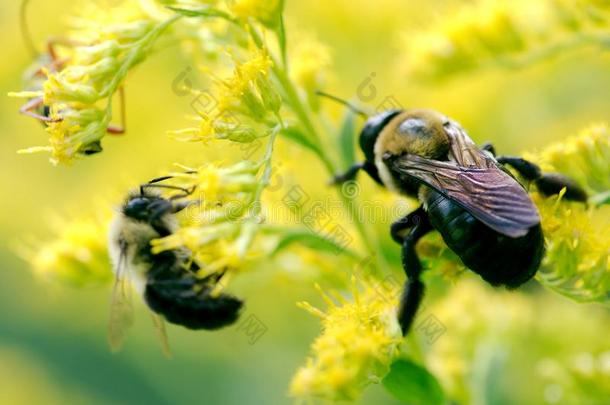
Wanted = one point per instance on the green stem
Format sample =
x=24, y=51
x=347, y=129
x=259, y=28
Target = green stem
x=304, y=118
x=245, y=241
x=292, y=97
x=267, y=171
x=134, y=56
x=601, y=39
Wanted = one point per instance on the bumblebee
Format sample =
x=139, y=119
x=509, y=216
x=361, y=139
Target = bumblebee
x=466, y=193
x=166, y=280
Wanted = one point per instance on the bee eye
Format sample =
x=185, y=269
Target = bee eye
x=414, y=127
x=137, y=207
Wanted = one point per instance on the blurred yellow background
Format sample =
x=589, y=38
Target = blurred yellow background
x=53, y=345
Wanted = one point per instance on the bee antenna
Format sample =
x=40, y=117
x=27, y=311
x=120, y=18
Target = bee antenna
x=25, y=31
x=344, y=102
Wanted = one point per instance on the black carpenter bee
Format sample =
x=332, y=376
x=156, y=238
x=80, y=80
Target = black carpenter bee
x=481, y=211
x=166, y=280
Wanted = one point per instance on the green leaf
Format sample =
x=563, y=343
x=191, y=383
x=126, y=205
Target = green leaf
x=312, y=241
x=413, y=384
x=297, y=136
x=280, y=31
x=346, y=138
x=281, y=39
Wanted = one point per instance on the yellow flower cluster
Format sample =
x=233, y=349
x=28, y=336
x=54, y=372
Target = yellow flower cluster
x=310, y=62
x=585, y=157
x=265, y=11
x=105, y=44
x=359, y=340
x=77, y=256
x=219, y=229
x=218, y=186
x=577, y=262
x=242, y=107
x=214, y=228
x=503, y=32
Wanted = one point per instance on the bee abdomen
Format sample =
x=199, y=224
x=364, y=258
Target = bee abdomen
x=181, y=305
x=497, y=258
x=183, y=299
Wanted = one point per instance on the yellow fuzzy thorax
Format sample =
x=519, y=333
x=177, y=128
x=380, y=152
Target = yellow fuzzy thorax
x=433, y=144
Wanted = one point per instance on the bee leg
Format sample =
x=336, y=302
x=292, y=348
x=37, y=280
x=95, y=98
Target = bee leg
x=408, y=221
x=414, y=289
x=530, y=171
x=547, y=183
x=349, y=174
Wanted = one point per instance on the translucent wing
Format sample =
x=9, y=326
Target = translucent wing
x=121, y=304
x=463, y=150
x=159, y=325
x=488, y=193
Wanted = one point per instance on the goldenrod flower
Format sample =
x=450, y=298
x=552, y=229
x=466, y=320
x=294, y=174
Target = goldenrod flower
x=223, y=195
x=77, y=256
x=584, y=157
x=265, y=11
x=242, y=107
x=503, y=32
x=310, y=60
x=577, y=262
x=220, y=235
x=216, y=185
x=105, y=45
x=78, y=132
x=359, y=340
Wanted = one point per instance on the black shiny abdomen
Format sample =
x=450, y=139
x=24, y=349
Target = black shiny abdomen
x=497, y=258
x=183, y=299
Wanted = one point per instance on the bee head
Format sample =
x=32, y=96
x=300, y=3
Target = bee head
x=371, y=130
x=419, y=132
x=146, y=207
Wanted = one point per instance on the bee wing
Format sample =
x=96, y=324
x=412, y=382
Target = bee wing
x=121, y=305
x=159, y=325
x=488, y=193
x=463, y=150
